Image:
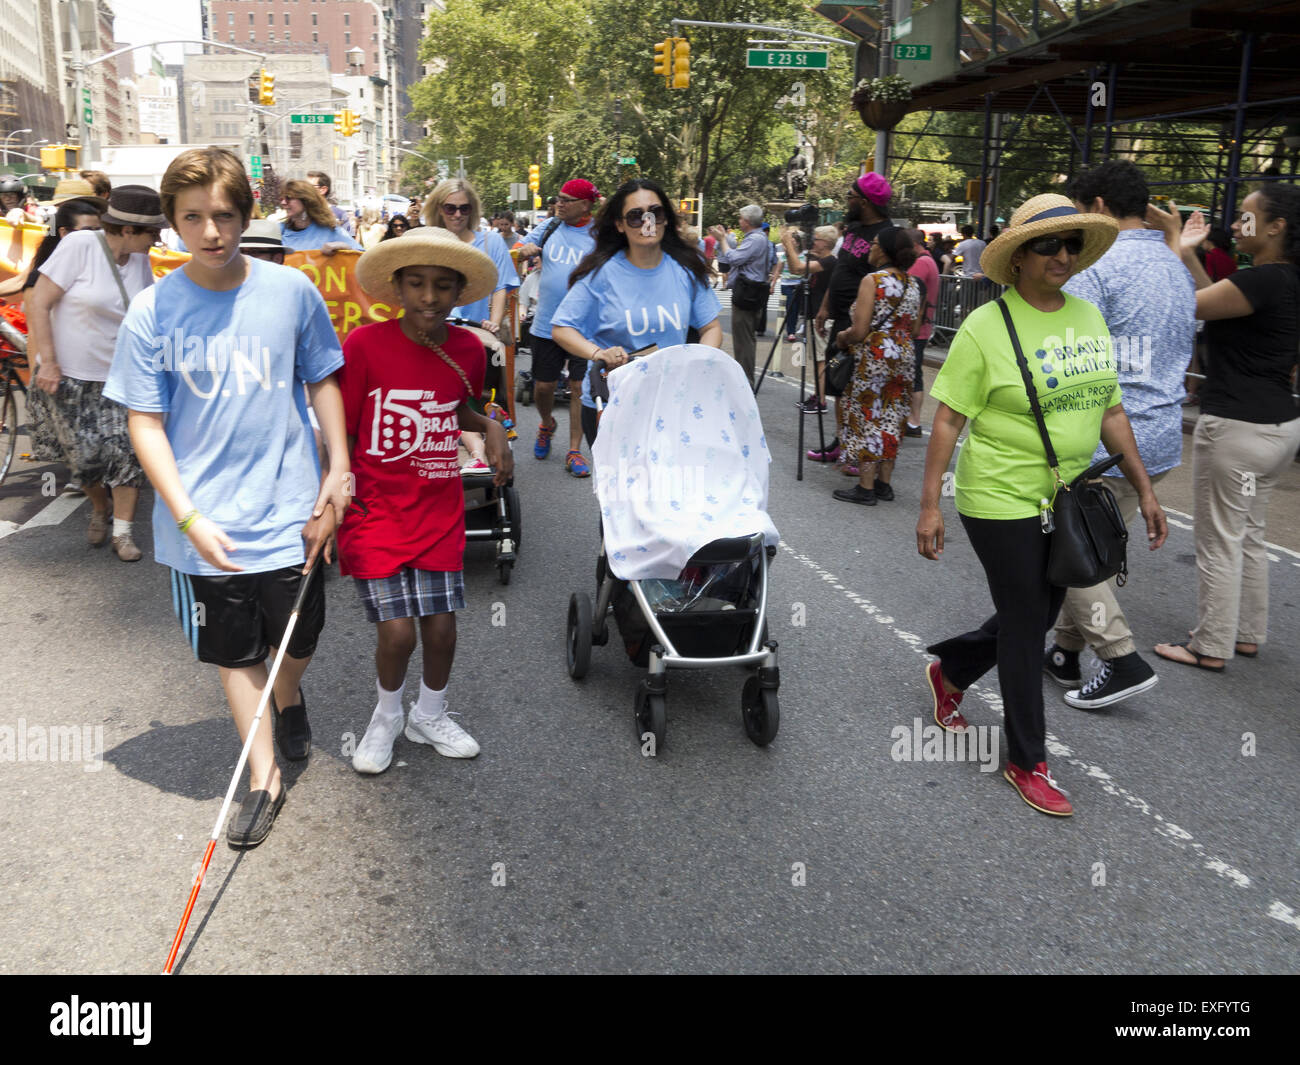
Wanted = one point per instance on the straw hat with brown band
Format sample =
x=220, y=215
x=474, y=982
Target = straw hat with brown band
x=427, y=246
x=77, y=189
x=1043, y=216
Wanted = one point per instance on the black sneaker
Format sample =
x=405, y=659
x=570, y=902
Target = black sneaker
x=884, y=491
x=812, y=405
x=1115, y=680
x=1063, y=667
x=911, y=430
x=292, y=729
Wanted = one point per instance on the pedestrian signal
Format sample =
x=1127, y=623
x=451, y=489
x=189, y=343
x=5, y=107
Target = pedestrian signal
x=663, y=57
x=973, y=191
x=681, y=63
x=266, y=88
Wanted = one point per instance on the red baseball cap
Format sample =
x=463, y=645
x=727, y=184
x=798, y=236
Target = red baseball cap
x=580, y=189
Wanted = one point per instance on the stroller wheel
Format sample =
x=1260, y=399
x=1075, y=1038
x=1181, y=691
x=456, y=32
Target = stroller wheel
x=514, y=513
x=651, y=716
x=760, y=712
x=577, y=645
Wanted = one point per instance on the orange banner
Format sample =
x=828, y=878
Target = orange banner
x=18, y=244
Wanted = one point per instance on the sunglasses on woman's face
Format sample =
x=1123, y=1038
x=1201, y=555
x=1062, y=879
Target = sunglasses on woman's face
x=456, y=208
x=1049, y=246
x=637, y=215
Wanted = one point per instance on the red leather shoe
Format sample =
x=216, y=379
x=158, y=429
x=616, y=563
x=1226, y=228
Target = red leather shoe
x=946, y=714
x=1039, y=789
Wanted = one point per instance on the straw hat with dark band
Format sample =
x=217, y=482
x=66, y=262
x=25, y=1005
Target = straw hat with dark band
x=427, y=246
x=1044, y=216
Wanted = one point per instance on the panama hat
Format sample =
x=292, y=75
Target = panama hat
x=1042, y=216
x=77, y=189
x=427, y=246
x=262, y=235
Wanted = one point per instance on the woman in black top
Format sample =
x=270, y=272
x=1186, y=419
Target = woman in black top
x=820, y=265
x=1249, y=427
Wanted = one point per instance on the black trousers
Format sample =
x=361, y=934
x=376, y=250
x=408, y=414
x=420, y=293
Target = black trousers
x=1014, y=556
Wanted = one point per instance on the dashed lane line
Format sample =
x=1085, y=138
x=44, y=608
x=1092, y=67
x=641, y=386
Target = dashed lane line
x=1162, y=825
x=51, y=514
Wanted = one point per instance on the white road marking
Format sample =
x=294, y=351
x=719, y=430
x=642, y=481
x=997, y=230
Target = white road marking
x=51, y=514
x=1284, y=913
x=1163, y=826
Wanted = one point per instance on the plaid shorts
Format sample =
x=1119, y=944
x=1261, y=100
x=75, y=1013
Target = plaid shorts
x=411, y=593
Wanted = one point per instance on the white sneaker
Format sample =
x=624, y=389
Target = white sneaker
x=375, y=751
x=447, y=737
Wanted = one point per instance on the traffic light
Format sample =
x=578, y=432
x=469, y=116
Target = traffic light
x=347, y=122
x=973, y=191
x=663, y=57
x=61, y=157
x=681, y=63
x=534, y=178
x=266, y=88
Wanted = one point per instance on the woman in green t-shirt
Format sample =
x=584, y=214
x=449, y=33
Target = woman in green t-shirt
x=1003, y=483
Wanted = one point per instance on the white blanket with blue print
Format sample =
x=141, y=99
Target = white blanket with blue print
x=680, y=460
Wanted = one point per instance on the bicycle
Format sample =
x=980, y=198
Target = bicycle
x=13, y=357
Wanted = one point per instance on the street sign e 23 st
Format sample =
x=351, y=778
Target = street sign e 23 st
x=785, y=58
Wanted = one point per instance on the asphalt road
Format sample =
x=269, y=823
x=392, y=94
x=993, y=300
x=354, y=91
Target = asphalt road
x=561, y=848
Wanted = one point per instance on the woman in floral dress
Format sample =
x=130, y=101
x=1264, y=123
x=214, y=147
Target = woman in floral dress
x=886, y=318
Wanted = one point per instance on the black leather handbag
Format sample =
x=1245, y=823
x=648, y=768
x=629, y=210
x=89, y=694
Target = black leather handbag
x=1089, y=538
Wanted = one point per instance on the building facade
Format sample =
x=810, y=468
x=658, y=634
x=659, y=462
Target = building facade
x=31, y=77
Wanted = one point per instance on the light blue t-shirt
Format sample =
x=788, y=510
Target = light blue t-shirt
x=314, y=237
x=489, y=242
x=621, y=305
x=564, y=249
x=227, y=368
x=1148, y=299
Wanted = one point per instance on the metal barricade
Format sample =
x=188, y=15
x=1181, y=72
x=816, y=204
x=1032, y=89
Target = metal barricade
x=958, y=296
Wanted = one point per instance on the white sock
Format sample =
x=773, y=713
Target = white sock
x=121, y=528
x=390, y=703
x=432, y=704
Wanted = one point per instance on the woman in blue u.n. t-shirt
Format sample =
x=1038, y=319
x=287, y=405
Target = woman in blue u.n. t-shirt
x=641, y=285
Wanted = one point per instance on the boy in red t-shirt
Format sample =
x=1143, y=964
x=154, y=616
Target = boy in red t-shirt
x=406, y=387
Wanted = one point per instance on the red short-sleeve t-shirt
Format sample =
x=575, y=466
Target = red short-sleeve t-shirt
x=399, y=402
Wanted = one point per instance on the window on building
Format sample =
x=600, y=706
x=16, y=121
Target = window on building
x=347, y=19
x=374, y=38
x=230, y=19
x=375, y=59
x=315, y=36
x=270, y=18
x=313, y=18
x=270, y=35
x=250, y=18
x=286, y=18
x=232, y=37
x=374, y=20
x=347, y=38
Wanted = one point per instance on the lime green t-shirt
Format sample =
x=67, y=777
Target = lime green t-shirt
x=1002, y=472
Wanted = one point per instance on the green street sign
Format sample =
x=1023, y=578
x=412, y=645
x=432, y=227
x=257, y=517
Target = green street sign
x=311, y=119
x=628, y=160
x=255, y=165
x=914, y=52
x=785, y=59
x=87, y=114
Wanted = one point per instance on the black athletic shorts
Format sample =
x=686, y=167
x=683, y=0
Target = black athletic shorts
x=918, y=380
x=234, y=620
x=548, y=360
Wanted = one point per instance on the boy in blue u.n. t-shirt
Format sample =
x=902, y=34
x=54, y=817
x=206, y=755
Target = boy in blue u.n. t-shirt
x=212, y=367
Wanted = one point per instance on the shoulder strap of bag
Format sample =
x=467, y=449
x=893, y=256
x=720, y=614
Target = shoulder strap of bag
x=555, y=224
x=437, y=348
x=1030, y=389
x=112, y=264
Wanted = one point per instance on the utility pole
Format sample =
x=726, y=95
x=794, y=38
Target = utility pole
x=460, y=168
x=79, y=83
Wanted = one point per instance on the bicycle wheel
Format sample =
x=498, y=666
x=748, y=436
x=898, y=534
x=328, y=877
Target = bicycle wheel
x=8, y=427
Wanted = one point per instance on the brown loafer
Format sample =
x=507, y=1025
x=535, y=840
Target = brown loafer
x=125, y=549
x=97, y=533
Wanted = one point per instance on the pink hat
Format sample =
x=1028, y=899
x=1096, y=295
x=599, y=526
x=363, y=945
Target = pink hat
x=580, y=189
x=874, y=188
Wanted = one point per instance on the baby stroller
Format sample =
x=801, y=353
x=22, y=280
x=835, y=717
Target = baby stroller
x=681, y=470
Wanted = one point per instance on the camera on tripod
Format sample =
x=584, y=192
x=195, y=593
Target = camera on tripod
x=805, y=216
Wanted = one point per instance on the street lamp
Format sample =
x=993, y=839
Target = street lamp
x=15, y=133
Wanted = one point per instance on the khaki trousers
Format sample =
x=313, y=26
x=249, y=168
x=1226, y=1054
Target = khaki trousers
x=1235, y=465
x=1092, y=617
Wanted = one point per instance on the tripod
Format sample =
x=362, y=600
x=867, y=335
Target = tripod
x=803, y=298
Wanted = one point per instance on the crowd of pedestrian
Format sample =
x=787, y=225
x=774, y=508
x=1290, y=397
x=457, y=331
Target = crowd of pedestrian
x=1099, y=296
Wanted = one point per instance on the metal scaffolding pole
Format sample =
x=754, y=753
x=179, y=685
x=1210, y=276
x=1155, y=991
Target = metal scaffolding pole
x=1238, y=127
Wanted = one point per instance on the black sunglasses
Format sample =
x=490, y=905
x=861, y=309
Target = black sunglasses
x=456, y=208
x=1049, y=246
x=637, y=215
